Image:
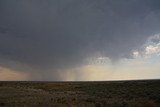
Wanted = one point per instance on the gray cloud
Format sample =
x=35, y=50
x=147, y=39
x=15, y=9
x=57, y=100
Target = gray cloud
x=62, y=33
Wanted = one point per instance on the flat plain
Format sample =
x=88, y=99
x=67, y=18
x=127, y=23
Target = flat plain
x=142, y=93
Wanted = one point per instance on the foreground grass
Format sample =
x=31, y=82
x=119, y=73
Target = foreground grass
x=80, y=94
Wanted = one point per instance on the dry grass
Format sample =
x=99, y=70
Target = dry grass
x=80, y=94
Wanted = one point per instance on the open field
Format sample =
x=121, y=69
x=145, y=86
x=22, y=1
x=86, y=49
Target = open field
x=80, y=94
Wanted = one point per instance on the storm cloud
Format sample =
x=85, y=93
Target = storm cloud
x=61, y=34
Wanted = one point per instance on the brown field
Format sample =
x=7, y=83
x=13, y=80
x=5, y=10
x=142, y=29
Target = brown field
x=80, y=94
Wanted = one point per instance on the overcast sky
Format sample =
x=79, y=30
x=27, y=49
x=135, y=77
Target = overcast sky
x=79, y=39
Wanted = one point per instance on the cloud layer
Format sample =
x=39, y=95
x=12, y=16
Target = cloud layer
x=44, y=37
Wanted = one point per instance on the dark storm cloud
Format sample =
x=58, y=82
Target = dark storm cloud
x=62, y=33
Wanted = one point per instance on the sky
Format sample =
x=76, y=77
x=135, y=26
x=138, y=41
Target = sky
x=79, y=40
